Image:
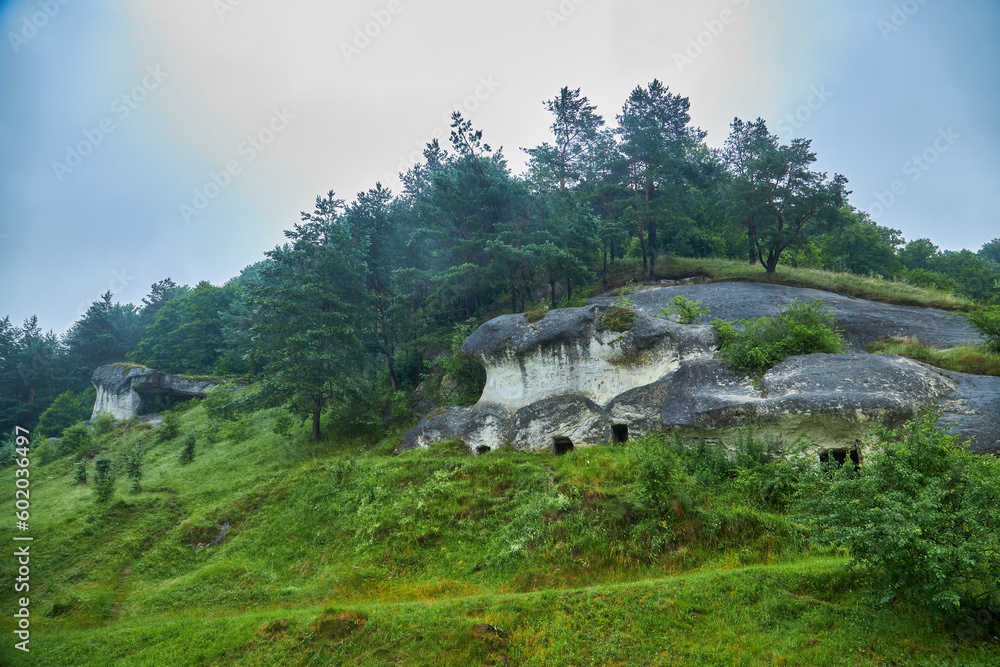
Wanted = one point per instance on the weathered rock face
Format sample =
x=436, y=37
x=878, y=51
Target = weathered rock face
x=121, y=389
x=862, y=321
x=570, y=352
x=569, y=381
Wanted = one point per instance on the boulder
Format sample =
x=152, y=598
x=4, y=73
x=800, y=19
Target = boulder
x=863, y=322
x=568, y=380
x=121, y=388
x=570, y=351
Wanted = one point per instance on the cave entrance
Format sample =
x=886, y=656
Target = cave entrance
x=619, y=433
x=482, y=449
x=841, y=456
x=561, y=445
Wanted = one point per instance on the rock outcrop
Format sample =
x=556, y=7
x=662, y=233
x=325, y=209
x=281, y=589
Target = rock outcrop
x=121, y=388
x=863, y=322
x=568, y=380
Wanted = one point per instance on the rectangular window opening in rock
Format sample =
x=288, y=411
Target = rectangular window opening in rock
x=561, y=445
x=619, y=433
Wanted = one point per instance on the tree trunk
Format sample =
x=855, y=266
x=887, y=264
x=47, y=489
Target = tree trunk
x=387, y=350
x=604, y=268
x=552, y=292
x=390, y=366
x=642, y=246
x=317, y=411
x=653, y=250
x=569, y=289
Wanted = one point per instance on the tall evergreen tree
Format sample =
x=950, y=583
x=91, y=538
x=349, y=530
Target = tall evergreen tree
x=375, y=229
x=105, y=334
x=577, y=140
x=308, y=336
x=656, y=141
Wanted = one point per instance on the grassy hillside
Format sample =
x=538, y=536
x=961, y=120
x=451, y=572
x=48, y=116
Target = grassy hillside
x=336, y=554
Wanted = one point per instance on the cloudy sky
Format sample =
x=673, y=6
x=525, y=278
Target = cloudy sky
x=141, y=139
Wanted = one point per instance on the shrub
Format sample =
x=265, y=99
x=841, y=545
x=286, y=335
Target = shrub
x=68, y=409
x=284, y=424
x=104, y=480
x=76, y=439
x=49, y=451
x=8, y=449
x=104, y=423
x=237, y=430
x=465, y=376
x=535, y=314
x=80, y=472
x=986, y=320
x=133, y=466
x=170, y=428
x=187, y=454
x=619, y=319
x=800, y=328
x=687, y=311
x=919, y=518
x=656, y=476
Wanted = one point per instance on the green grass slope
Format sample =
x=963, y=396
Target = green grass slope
x=639, y=554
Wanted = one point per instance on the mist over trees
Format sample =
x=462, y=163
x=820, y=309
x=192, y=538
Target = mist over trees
x=364, y=302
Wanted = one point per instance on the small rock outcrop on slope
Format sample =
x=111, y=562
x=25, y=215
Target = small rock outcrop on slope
x=863, y=322
x=568, y=381
x=121, y=388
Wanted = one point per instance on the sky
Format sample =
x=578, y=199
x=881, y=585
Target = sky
x=143, y=139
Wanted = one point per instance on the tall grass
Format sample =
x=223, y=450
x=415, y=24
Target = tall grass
x=974, y=359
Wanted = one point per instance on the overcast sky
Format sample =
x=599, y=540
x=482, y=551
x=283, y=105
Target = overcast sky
x=144, y=139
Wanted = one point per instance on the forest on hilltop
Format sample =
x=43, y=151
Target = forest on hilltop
x=368, y=300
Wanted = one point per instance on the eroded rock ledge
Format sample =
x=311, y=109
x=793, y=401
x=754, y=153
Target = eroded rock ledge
x=122, y=388
x=568, y=381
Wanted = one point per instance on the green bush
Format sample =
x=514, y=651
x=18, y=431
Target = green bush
x=986, y=320
x=104, y=423
x=104, y=480
x=919, y=518
x=462, y=378
x=48, y=452
x=619, y=319
x=687, y=311
x=68, y=409
x=8, y=449
x=80, y=472
x=187, y=454
x=657, y=473
x=75, y=439
x=133, y=466
x=800, y=328
x=170, y=427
